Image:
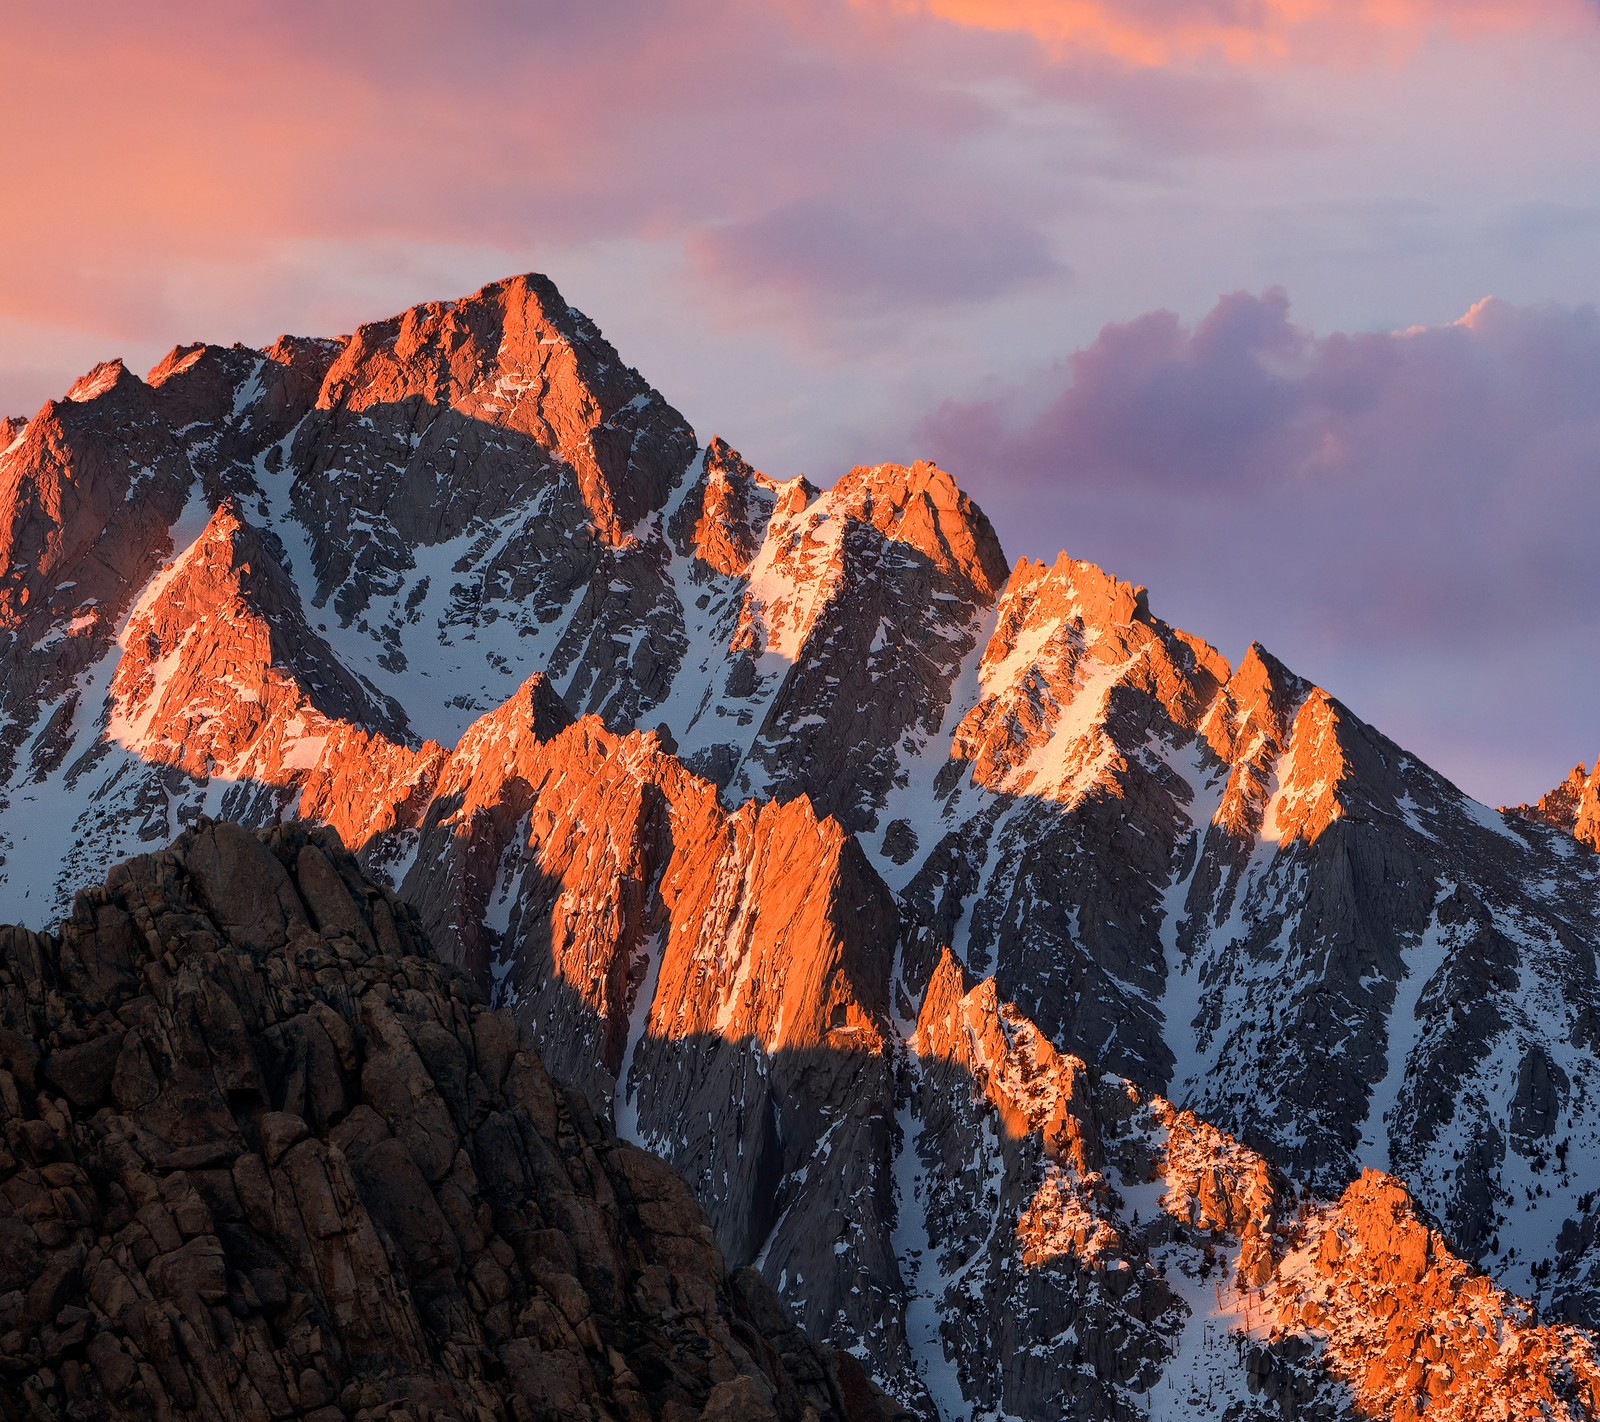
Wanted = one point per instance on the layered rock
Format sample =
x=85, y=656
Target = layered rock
x=262, y=1155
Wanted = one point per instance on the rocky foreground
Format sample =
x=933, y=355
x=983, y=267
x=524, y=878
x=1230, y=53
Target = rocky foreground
x=263, y=1156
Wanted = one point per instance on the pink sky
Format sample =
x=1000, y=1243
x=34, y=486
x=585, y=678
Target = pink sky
x=832, y=229
x=1244, y=32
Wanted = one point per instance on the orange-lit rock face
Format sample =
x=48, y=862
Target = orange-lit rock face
x=826, y=631
x=1349, y=1307
x=1573, y=806
x=922, y=508
x=718, y=980
x=220, y=677
x=1307, y=800
x=1249, y=726
x=1033, y=1088
x=513, y=357
x=1034, y=1092
x=219, y=674
x=347, y=579
x=1008, y=1221
x=509, y=862
x=810, y=565
x=725, y=513
x=751, y=939
x=88, y=489
x=1066, y=637
x=1412, y=1330
x=768, y=942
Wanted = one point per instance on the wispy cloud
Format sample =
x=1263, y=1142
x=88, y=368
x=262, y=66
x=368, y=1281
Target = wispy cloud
x=1161, y=32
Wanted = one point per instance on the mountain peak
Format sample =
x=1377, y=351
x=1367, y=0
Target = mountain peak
x=725, y=513
x=1095, y=597
x=224, y=607
x=179, y=359
x=535, y=709
x=920, y=505
x=1259, y=700
x=103, y=377
x=511, y=367
x=1573, y=806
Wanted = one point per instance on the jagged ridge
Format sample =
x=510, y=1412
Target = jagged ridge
x=1216, y=882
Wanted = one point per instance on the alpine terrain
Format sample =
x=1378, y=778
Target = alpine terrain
x=1062, y=1021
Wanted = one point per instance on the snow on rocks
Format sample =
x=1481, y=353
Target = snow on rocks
x=721, y=780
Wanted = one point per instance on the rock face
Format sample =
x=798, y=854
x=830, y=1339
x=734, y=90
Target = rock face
x=730, y=788
x=1573, y=806
x=717, y=981
x=1184, y=1276
x=262, y=1155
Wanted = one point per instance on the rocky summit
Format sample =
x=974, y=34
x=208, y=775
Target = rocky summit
x=1573, y=806
x=1060, y=1020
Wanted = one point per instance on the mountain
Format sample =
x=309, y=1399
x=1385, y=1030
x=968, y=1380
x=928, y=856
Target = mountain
x=265, y=1156
x=723, y=783
x=1573, y=806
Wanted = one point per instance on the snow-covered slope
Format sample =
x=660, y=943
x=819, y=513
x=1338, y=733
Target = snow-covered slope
x=727, y=783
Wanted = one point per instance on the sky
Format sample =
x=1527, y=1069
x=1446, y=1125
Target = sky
x=1282, y=308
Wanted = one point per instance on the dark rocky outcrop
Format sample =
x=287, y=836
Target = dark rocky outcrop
x=263, y=1156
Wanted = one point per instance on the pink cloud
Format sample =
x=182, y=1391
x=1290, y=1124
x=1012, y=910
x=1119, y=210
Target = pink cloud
x=1162, y=32
x=150, y=149
x=146, y=144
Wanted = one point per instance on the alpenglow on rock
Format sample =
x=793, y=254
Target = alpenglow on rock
x=1573, y=806
x=723, y=783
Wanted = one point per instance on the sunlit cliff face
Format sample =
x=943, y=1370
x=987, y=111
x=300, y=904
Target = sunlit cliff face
x=834, y=859
x=1354, y=1301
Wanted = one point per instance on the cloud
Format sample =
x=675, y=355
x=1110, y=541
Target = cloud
x=844, y=255
x=1385, y=509
x=796, y=148
x=1163, y=32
